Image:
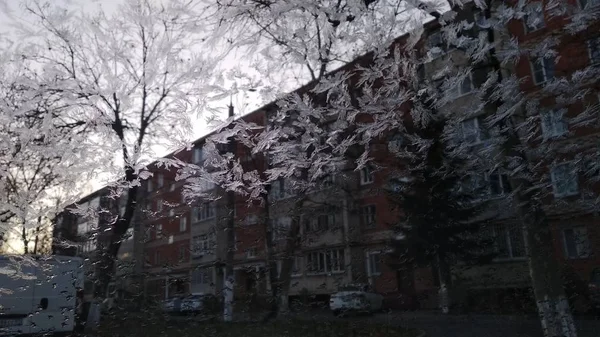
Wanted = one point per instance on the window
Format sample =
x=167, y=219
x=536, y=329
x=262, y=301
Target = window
x=171, y=213
x=157, y=259
x=251, y=219
x=577, y=244
x=564, y=180
x=206, y=211
x=159, y=206
x=320, y=222
x=172, y=187
x=586, y=4
x=159, y=231
x=149, y=185
x=250, y=253
x=487, y=186
x=374, y=263
x=435, y=45
x=84, y=228
x=326, y=261
x=471, y=131
x=281, y=189
x=182, y=250
x=553, y=124
x=509, y=241
x=183, y=224
x=280, y=227
x=198, y=155
x=462, y=88
x=205, y=186
x=203, y=244
x=594, y=48
x=297, y=266
x=368, y=216
x=543, y=70
x=395, y=143
x=328, y=180
x=88, y=246
x=366, y=175
x=202, y=276
x=499, y=184
x=534, y=20
x=161, y=180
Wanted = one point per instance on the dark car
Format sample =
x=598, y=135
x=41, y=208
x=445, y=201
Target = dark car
x=199, y=303
x=172, y=305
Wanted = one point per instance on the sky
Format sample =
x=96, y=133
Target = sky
x=243, y=102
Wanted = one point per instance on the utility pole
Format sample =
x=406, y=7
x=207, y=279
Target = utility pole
x=230, y=234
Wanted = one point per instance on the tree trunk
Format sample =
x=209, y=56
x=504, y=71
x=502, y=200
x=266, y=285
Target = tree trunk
x=108, y=252
x=280, y=284
x=230, y=233
x=25, y=240
x=553, y=306
x=443, y=271
x=271, y=262
x=35, y=242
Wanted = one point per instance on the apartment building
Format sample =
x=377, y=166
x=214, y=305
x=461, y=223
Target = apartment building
x=83, y=228
x=573, y=185
x=570, y=185
x=345, y=222
x=166, y=230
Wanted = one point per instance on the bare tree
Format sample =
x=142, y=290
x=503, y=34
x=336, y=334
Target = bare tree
x=135, y=79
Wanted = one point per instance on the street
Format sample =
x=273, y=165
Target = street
x=438, y=325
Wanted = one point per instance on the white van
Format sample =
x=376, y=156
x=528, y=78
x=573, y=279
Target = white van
x=38, y=294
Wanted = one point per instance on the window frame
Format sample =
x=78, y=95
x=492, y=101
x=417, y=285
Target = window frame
x=197, y=155
x=206, y=211
x=297, y=266
x=251, y=253
x=510, y=245
x=181, y=253
x=553, y=180
x=204, y=275
x=183, y=224
x=479, y=134
x=373, y=215
x=160, y=180
x=367, y=176
x=328, y=256
x=280, y=222
x=430, y=45
x=456, y=92
x=567, y=254
x=158, y=231
x=536, y=61
x=528, y=29
x=370, y=264
x=594, y=55
x=552, y=116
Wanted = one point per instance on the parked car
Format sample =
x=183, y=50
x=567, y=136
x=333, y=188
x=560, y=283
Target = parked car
x=172, y=305
x=355, y=298
x=197, y=303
